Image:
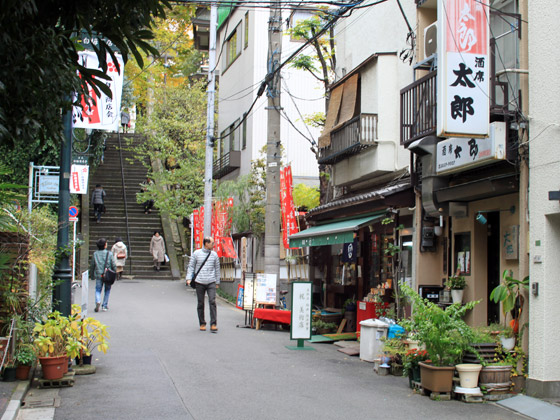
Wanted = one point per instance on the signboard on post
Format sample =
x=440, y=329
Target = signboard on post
x=79, y=179
x=249, y=292
x=300, y=328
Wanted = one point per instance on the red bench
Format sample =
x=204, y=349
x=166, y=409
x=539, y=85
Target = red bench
x=272, y=315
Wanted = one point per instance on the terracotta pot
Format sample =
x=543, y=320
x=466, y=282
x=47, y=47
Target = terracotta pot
x=436, y=378
x=53, y=367
x=22, y=372
x=468, y=374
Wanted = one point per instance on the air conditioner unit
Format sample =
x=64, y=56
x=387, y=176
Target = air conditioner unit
x=430, y=40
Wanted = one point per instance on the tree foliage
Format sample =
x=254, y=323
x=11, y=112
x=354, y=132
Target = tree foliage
x=39, y=70
x=305, y=198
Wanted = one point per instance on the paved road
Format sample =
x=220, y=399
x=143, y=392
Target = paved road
x=160, y=366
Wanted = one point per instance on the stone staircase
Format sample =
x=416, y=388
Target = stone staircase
x=139, y=264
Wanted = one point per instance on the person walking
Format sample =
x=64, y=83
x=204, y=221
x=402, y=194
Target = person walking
x=120, y=254
x=102, y=258
x=157, y=249
x=98, y=201
x=148, y=204
x=205, y=263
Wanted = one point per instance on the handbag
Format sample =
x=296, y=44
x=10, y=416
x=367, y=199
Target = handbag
x=193, y=285
x=121, y=255
x=109, y=276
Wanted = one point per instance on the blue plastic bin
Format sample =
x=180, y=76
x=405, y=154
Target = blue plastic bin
x=395, y=331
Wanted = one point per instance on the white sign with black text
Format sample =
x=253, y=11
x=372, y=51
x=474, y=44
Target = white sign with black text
x=301, y=311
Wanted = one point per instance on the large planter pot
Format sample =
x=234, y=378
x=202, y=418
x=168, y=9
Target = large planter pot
x=468, y=374
x=457, y=295
x=436, y=378
x=508, y=343
x=53, y=367
x=22, y=372
x=495, y=378
x=9, y=374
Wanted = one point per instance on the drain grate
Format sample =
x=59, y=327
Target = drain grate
x=37, y=402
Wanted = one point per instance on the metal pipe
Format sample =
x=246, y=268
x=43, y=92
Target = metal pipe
x=125, y=206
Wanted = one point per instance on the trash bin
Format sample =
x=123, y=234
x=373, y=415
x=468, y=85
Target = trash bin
x=372, y=330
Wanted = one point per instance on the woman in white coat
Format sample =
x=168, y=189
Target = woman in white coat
x=157, y=249
x=120, y=254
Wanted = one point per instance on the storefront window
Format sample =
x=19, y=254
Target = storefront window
x=462, y=253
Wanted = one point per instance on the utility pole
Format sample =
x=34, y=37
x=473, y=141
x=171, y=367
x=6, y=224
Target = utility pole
x=63, y=274
x=210, y=121
x=273, y=153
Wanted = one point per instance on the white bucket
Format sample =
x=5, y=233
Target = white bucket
x=468, y=374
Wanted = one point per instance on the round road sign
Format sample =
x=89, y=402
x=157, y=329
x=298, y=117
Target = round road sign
x=72, y=211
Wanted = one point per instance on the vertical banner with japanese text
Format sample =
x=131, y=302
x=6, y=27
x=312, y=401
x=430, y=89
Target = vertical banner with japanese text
x=100, y=112
x=463, y=68
x=289, y=223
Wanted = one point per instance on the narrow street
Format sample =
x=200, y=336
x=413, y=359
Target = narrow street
x=160, y=366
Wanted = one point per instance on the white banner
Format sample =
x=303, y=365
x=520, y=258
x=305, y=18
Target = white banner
x=100, y=113
x=79, y=179
x=463, y=68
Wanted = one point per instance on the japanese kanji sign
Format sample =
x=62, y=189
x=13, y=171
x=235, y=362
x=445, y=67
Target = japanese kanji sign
x=100, y=112
x=458, y=153
x=510, y=242
x=463, y=68
x=289, y=223
x=79, y=179
x=301, y=310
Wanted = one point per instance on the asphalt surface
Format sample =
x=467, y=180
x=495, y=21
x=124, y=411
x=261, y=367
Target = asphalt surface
x=160, y=366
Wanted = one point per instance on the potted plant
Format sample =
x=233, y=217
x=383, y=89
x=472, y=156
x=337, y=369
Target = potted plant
x=395, y=349
x=411, y=367
x=56, y=340
x=445, y=335
x=457, y=286
x=323, y=327
x=510, y=294
x=24, y=357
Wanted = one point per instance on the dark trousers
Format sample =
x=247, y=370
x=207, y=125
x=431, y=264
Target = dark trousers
x=97, y=210
x=201, y=290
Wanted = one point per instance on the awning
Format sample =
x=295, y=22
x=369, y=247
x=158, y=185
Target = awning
x=339, y=232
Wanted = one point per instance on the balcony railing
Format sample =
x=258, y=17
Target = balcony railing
x=418, y=109
x=226, y=164
x=357, y=134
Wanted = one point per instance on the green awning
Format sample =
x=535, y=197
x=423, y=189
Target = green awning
x=339, y=232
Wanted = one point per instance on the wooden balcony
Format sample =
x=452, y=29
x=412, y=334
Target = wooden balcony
x=226, y=164
x=418, y=109
x=349, y=139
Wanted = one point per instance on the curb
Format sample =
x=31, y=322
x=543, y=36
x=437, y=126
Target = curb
x=14, y=405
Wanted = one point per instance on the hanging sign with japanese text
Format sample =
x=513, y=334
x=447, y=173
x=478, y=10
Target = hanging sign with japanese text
x=100, y=112
x=301, y=310
x=289, y=222
x=458, y=153
x=79, y=179
x=463, y=68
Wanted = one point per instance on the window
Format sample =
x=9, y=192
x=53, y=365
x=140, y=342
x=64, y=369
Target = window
x=244, y=132
x=246, y=29
x=233, y=47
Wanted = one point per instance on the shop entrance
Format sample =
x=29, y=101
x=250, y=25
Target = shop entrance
x=493, y=263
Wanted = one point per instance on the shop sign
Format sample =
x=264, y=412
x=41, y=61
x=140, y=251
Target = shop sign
x=463, y=68
x=510, y=241
x=301, y=311
x=48, y=184
x=79, y=179
x=458, y=153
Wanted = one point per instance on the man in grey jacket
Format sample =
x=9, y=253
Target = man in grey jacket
x=206, y=263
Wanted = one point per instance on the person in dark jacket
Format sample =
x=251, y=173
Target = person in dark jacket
x=102, y=258
x=207, y=280
x=98, y=201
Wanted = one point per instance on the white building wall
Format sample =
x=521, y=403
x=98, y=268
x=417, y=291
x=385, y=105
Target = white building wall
x=544, y=167
x=249, y=70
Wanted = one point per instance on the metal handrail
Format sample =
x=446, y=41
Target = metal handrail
x=125, y=207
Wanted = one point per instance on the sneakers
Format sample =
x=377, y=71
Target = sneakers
x=203, y=327
x=97, y=305
x=213, y=328
x=105, y=309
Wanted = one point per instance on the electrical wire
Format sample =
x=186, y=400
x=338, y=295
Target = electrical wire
x=312, y=141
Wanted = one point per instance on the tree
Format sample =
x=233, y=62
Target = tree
x=39, y=69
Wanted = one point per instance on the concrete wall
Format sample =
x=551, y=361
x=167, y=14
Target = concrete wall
x=544, y=167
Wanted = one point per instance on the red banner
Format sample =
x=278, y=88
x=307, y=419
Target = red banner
x=289, y=222
x=221, y=229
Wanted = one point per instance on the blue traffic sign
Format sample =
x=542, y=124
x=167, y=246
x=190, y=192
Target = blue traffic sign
x=72, y=211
